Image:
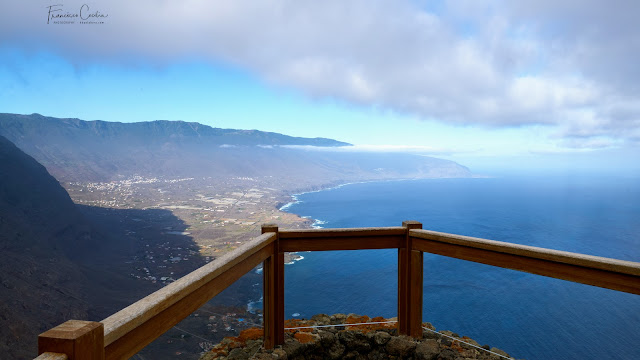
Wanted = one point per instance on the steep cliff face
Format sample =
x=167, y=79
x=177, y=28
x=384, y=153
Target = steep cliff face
x=37, y=213
x=40, y=229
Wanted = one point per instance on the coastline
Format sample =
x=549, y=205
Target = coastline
x=293, y=257
x=296, y=200
x=316, y=223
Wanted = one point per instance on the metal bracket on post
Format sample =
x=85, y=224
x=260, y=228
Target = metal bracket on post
x=273, y=293
x=79, y=340
x=410, y=280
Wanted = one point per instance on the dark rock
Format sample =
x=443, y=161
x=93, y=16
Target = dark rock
x=469, y=341
x=237, y=354
x=260, y=356
x=355, y=340
x=321, y=319
x=381, y=337
x=253, y=346
x=338, y=319
x=445, y=341
x=449, y=333
x=370, y=343
x=427, y=350
x=293, y=348
x=279, y=354
x=335, y=351
x=430, y=335
x=377, y=355
x=354, y=355
x=498, y=351
x=401, y=346
x=327, y=338
x=447, y=354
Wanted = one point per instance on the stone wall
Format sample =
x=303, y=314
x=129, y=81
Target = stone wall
x=374, y=341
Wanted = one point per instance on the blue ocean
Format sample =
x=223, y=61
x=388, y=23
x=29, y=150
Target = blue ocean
x=528, y=316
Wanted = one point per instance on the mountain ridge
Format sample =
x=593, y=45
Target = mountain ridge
x=163, y=129
x=76, y=150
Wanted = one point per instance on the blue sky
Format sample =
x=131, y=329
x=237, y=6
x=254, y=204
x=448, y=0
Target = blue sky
x=498, y=86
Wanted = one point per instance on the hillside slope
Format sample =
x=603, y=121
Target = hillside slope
x=57, y=264
x=40, y=228
x=77, y=150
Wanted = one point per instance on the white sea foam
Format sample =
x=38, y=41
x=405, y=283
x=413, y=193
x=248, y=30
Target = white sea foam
x=294, y=199
x=317, y=224
x=252, y=306
x=295, y=258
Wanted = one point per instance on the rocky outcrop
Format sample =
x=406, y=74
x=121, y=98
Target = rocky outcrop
x=372, y=341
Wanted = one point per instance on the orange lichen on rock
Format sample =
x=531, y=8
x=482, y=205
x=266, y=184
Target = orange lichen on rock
x=366, y=328
x=455, y=345
x=351, y=319
x=292, y=323
x=219, y=351
x=372, y=327
x=250, y=334
x=303, y=338
x=382, y=342
x=235, y=344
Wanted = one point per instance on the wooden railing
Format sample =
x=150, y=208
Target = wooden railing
x=126, y=332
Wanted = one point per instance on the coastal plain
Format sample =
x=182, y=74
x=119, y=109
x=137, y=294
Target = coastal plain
x=215, y=215
x=176, y=225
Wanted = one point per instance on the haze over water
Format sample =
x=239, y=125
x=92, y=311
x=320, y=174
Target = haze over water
x=529, y=316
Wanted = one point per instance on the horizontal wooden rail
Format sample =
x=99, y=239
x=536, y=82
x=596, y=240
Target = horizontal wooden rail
x=52, y=356
x=342, y=239
x=126, y=332
x=586, y=269
x=132, y=328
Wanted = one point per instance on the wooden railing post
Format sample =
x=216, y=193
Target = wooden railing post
x=273, y=293
x=79, y=340
x=410, y=285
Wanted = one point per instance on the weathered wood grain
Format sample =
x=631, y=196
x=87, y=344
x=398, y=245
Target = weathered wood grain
x=273, y=293
x=52, y=356
x=341, y=243
x=409, y=284
x=591, y=270
x=588, y=261
x=342, y=232
x=78, y=340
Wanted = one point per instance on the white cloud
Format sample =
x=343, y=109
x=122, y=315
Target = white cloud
x=567, y=64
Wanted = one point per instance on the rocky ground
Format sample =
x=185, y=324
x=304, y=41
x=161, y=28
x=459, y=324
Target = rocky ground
x=372, y=341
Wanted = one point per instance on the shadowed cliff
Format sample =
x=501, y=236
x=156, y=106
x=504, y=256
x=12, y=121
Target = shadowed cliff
x=61, y=261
